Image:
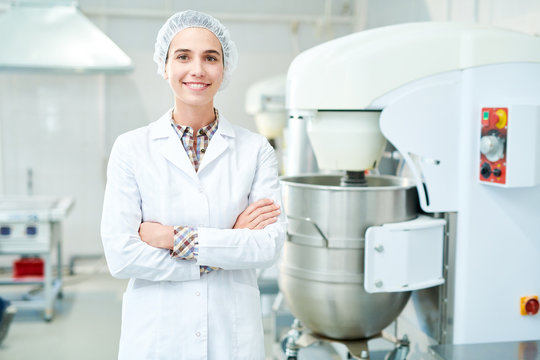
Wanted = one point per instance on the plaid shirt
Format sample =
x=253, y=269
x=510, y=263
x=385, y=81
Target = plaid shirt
x=203, y=139
x=186, y=243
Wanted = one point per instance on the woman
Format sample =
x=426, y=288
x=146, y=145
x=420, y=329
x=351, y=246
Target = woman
x=191, y=209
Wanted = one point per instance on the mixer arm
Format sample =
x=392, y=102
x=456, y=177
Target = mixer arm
x=308, y=220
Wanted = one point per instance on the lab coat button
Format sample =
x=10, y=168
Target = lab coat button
x=197, y=293
x=197, y=334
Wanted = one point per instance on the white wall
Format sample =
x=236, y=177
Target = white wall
x=519, y=15
x=51, y=126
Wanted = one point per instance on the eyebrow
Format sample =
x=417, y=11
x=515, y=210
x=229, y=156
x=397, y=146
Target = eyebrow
x=205, y=52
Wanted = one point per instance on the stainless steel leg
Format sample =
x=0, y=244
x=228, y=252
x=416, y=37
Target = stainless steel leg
x=57, y=233
x=48, y=296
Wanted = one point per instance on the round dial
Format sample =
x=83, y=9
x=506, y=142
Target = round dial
x=492, y=147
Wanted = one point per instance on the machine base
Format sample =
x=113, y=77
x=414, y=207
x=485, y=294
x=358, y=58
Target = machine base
x=516, y=350
x=299, y=338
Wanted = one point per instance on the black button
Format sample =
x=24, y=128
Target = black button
x=485, y=170
x=497, y=172
x=203, y=150
x=201, y=132
x=31, y=230
x=5, y=230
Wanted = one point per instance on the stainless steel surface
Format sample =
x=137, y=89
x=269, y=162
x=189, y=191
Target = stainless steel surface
x=300, y=156
x=322, y=285
x=447, y=303
x=524, y=350
x=62, y=39
x=43, y=207
x=308, y=220
x=44, y=216
x=27, y=203
x=428, y=317
x=344, y=213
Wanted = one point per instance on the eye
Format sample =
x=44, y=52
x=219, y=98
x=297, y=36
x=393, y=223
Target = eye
x=182, y=57
x=211, y=58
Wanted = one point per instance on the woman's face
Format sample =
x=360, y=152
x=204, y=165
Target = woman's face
x=194, y=67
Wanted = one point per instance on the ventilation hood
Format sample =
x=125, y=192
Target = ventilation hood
x=56, y=36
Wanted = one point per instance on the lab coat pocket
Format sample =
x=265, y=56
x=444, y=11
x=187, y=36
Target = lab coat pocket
x=250, y=337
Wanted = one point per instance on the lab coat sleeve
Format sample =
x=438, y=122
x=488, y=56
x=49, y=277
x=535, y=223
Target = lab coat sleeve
x=127, y=255
x=232, y=249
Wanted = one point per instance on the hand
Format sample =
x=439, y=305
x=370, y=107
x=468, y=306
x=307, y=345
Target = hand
x=157, y=235
x=258, y=215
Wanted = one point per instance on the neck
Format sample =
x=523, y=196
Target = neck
x=194, y=116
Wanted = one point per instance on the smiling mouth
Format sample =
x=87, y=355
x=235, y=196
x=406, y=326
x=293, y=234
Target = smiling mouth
x=196, y=86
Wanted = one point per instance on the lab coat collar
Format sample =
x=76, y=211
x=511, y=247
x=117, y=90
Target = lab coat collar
x=162, y=127
x=219, y=142
x=172, y=148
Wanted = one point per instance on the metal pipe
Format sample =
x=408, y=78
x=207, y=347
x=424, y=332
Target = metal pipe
x=2, y=152
x=29, y=182
x=248, y=18
x=294, y=20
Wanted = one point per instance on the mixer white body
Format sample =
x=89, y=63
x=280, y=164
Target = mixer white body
x=435, y=105
x=497, y=243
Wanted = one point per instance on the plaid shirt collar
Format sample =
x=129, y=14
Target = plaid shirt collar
x=184, y=130
x=185, y=133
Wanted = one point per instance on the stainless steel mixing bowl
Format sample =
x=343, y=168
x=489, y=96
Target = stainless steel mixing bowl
x=322, y=267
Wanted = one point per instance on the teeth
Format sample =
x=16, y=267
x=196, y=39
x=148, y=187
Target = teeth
x=196, y=86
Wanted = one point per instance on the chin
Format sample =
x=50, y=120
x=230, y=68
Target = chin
x=197, y=102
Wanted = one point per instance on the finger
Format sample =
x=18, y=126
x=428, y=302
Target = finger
x=264, y=223
x=257, y=204
x=266, y=216
x=262, y=210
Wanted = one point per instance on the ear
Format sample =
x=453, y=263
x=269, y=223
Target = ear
x=165, y=75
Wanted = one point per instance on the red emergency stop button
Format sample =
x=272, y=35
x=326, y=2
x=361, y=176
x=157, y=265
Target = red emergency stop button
x=530, y=305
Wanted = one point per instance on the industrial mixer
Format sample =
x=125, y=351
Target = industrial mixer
x=461, y=104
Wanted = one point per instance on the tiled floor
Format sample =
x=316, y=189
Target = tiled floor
x=85, y=326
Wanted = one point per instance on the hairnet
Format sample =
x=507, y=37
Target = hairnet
x=189, y=19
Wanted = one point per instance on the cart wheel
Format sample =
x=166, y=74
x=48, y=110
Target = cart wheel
x=284, y=344
x=48, y=315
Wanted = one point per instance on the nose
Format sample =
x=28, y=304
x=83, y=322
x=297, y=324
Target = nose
x=197, y=69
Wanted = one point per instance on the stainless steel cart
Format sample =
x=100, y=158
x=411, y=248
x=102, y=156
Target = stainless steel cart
x=31, y=226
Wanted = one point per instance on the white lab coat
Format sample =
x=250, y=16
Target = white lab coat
x=169, y=311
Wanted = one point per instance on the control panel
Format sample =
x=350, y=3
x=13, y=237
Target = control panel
x=493, y=142
x=24, y=237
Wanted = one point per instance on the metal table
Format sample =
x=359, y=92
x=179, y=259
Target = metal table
x=524, y=350
x=31, y=226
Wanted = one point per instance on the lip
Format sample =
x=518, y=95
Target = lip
x=196, y=86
